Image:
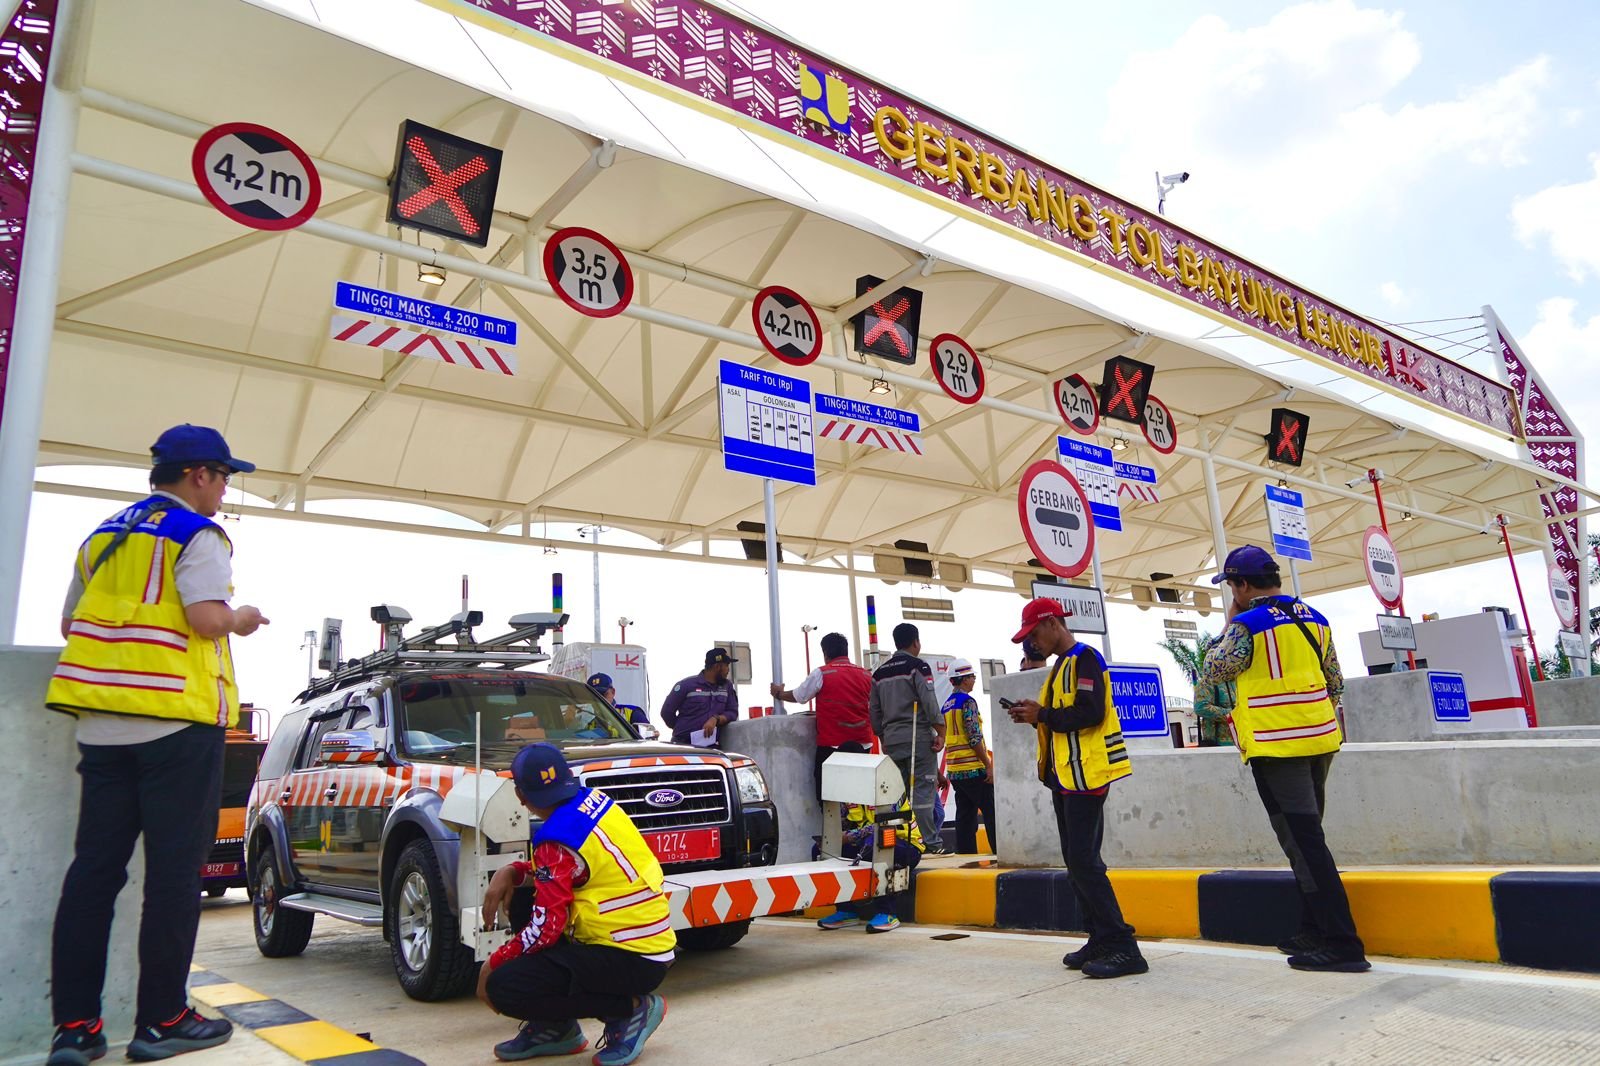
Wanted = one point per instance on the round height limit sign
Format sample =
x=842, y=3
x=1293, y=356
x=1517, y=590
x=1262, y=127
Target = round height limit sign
x=786, y=325
x=256, y=176
x=1055, y=518
x=588, y=272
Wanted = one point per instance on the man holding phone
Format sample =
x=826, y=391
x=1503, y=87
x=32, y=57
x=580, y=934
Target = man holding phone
x=1080, y=753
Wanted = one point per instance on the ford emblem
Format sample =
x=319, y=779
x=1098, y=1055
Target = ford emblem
x=664, y=797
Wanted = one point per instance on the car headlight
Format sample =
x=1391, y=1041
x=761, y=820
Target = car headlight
x=752, y=785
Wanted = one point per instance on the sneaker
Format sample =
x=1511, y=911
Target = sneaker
x=938, y=849
x=78, y=1043
x=624, y=1041
x=1117, y=964
x=1300, y=944
x=839, y=920
x=882, y=923
x=1326, y=960
x=537, y=1039
x=187, y=1032
x=1075, y=960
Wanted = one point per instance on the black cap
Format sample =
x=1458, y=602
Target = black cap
x=718, y=655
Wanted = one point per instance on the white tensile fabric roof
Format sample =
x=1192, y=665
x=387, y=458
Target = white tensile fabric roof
x=170, y=312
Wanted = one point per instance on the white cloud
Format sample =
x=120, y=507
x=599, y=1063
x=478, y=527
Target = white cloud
x=1568, y=217
x=1394, y=295
x=1295, y=123
x=1563, y=349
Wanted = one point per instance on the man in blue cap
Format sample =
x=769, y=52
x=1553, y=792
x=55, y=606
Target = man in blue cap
x=603, y=684
x=1280, y=652
x=598, y=939
x=148, y=673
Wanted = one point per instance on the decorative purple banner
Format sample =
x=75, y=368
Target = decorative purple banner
x=772, y=81
x=1559, y=456
x=24, y=62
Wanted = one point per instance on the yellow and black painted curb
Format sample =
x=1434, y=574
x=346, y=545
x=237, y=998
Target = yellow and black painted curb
x=1548, y=919
x=288, y=1028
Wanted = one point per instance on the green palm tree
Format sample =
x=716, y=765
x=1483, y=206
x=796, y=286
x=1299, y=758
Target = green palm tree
x=1190, y=657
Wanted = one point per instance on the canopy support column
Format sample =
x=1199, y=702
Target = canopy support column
x=33, y=321
x=1219, y=539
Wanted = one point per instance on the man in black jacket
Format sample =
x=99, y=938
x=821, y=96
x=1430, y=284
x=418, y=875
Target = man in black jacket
x=906, y=717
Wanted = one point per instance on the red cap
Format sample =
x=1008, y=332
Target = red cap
x=1036, y=611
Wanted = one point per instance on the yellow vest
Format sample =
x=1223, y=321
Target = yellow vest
x=1283, y=706
x=857, y=815
x=959, y=754
x=1085, y=759
x=621, y=905
x=130, y=649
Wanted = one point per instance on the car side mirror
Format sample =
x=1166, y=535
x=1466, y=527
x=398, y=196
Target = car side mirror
x=647, y=731
x=355, y=745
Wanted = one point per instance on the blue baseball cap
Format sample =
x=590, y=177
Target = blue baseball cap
x=601, y=682
x=1248, y=561
x=196, y=444
x=543, y=776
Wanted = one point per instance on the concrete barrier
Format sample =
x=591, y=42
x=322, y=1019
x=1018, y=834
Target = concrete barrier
x=39, y=796
x=785, y=748
x=1442, y=801
x=1572, y=701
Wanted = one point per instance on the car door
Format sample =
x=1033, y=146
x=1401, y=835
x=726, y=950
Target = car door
x=307, y=810
x=357, y=795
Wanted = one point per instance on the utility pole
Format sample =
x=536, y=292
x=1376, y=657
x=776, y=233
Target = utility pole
x=595, y=531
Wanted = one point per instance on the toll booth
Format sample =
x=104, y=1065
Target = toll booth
x=1489, y=653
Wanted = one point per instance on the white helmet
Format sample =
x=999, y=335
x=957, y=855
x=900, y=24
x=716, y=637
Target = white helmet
x=960, y=668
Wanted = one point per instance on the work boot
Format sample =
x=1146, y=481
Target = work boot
x=1300, y=944
x=1075, y=960
x=1118, y=964
x=624, y=1040
x=536, y=1039
x=1326, y=960
x=187, y=1032
x=77, y=1043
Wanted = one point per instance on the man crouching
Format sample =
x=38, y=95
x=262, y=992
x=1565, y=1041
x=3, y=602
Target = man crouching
x=599, y=938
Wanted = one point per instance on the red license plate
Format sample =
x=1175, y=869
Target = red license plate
x=221, y=869
x=686, y=845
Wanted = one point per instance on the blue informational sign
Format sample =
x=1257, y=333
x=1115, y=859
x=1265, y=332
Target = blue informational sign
x=874, y=414
x=1286, y=517
x=766, y=424
x=401, y=308
x=1140, y=700
x=1449, y=697
x=1092, y=466
x=1145, y=475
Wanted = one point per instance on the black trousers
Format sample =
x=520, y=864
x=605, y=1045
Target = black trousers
x=1293, y=790
x=569, y=980
x=1081, y=821
x=167, y=790
x=853, y=746
x=974, y=796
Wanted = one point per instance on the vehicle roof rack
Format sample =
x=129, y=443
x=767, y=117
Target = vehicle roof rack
x=427, y=649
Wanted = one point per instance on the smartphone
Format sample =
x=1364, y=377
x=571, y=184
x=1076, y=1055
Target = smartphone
x=1007, y=704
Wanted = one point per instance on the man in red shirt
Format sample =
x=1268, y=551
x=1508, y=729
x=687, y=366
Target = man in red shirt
x=598, y=938
x=841, y=689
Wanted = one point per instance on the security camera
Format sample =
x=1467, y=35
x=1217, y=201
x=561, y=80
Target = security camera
x=1175, y=179
x=1356, y=482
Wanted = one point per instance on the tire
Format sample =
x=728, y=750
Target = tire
x=430, y=960
x=713, y=937
x=280, y=932
x=216, y=891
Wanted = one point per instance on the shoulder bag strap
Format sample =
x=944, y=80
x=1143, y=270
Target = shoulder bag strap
x=122, y=535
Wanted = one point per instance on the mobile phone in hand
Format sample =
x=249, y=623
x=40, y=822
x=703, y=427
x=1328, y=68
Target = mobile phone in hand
x=1007, y=704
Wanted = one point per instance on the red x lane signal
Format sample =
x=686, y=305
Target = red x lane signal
x=443, y=184
x=1286, y=441
x=888, y=328
x=1124, y=389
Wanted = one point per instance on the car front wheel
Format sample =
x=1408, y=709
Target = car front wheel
x=280, y=931
x=424, y=934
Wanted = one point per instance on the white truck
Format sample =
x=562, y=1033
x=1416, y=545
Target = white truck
x=625, y=663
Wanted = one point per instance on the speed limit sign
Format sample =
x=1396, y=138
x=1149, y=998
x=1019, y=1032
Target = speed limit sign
x=588, y=272
x=1076, y=401
x=1159, y=429
x=1388, y=581
x=1055, y=518
x=956, y=367
x=786, y=325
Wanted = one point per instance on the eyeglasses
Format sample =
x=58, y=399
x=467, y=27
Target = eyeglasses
x=221, y=471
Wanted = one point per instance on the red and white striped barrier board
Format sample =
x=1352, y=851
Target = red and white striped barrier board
x=715, y=897
x=372, y=333
x=1139, y=493
x=893, y=440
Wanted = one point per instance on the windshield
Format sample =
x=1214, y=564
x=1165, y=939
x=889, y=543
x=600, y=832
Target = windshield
x=436, y=715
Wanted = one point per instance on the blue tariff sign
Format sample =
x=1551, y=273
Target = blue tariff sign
x=766, y=424
x=1449, y=697
x=1140, y=700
